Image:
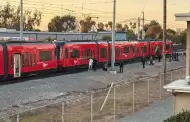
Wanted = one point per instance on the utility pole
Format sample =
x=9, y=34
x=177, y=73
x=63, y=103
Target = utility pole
x=138, y=28
x=143, y=32
x=62, y=10
x=21, y=19
x=164, y=40
x=113, y=37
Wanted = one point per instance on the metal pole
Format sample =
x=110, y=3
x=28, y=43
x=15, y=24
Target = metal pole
x=21, y=19
x=91, y=103
x=148, y=91
x=133, y=96
x=160, y=86
x=63, y=108
x=143, y=33
x=164, y=41
x=114, y=102
x=113, y=37
x=138, y=28
x=18, y=118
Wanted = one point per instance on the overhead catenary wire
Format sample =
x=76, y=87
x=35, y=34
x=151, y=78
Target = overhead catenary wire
x=57, y=9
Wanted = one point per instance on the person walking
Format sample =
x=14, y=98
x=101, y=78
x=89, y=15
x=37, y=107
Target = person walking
x=94, y=64
x=121, y=64
x=90, y=64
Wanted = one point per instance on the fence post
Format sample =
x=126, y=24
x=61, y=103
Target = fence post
x=63, y=110
x=148, y=91
x=91, y=103
x=114, y=102
x=160, y=86
x=171, y=77
x=18, y=118
x=133, y=96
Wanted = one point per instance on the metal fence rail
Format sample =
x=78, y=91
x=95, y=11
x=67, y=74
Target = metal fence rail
x=108, y=104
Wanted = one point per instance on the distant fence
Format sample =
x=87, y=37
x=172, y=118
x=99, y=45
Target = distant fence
x=109, y=104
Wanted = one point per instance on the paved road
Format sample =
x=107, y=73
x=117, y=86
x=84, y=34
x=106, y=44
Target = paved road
x=25, y=94
x=157, y=112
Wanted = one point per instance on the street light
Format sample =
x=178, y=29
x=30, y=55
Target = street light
x=21, y=19
x=113, y=38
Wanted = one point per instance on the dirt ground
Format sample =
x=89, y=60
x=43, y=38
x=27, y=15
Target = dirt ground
x=81, y=110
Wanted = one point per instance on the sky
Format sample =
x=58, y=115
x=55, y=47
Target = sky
x=126, y=10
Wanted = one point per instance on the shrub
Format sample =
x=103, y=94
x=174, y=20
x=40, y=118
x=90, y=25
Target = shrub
x=184, y=116
x=106, y=37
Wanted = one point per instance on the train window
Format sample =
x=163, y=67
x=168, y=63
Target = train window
x=132, y=48
x=103, y=53
x=34, y=59
x=117, y=52
x=30, y=59
x=26, y=59
x=66, y=53
x=91, y=53
x=144, y=49
x=82, y=54
x=22, y=60
x=48, y=55
x=75, y=54
x=88, y=53
x=11, y=61
x=126, y=49
x=167, y=46
x=136, y=49
x=45, y=55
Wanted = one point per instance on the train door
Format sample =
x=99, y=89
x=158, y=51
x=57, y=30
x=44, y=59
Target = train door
x=17, y=66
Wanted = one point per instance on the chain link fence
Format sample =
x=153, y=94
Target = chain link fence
x=110, y=104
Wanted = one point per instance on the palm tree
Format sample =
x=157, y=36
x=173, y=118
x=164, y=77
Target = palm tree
x=110, y=24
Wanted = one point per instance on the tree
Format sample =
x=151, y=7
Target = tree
x=119, y=27
x=86, y=24
x=126, y=27
x=106, y=25
x=110, y=24
x=100, y=26
x=106, y=37
x=133, y=26
x=152, y=23
x=131, y=35
x=153, y=30
x=60, y=24
x=10, y=18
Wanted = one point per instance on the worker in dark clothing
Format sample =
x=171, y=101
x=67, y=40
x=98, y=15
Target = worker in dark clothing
x=105, y=67
x=121, y=64
x=170, y=57
x=94, y=64
x=177, y=57
x=143, y=61
x=159, y=58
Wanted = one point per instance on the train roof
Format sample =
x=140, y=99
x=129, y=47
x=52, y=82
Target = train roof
x=23, y=42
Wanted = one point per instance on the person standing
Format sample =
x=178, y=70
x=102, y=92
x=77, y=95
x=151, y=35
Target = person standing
x=90, y=64
x=121, y=64
x=143, y=61
x=94, y=64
